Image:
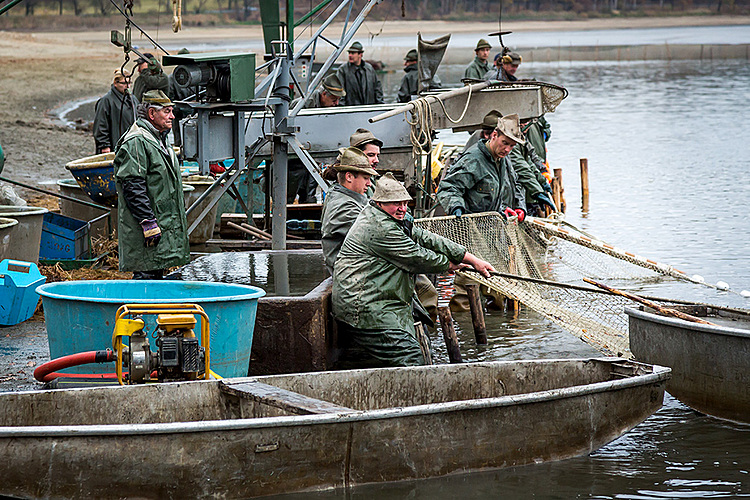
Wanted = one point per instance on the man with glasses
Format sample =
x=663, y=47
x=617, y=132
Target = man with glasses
x=114, y=114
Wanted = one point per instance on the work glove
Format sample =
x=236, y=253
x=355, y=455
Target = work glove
x=521, y=214
x=153, y=66
x=509, y=212
x=458, y=211
x=544, y=199
x=547, y=187
x=151, y=232
x=215, y=168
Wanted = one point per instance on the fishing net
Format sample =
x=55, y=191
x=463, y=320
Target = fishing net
x=541, y=265
x=552, y=95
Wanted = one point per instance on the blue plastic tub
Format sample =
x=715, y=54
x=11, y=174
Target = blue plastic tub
x=18, y=291
x=80, y=316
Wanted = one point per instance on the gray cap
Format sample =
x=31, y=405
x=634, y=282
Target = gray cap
x=388, y=189
x=489, y=121
x=362, y=137
x=411, y=55
x=512, y=58
x=510, y=127
x=156, y=98
x=356, y=47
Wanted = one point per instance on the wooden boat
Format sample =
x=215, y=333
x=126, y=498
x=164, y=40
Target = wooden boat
x=709, y=363
x=256, y=436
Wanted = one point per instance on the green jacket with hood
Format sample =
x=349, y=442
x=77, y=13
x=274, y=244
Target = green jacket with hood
x=479, y=183
x=142, y=153
x=477, y=69
x=373, y=279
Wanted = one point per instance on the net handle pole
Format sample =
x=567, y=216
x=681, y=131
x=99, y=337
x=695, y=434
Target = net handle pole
x=648, y=303
x=409, y=106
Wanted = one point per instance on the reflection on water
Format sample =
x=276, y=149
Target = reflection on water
x=278, y=273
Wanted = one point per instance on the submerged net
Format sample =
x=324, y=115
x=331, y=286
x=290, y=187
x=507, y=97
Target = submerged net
x=543, y=270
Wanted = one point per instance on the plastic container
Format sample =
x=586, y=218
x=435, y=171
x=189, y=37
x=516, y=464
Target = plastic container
x=80, y=316
x=27, y=234
x=18, y=295
x=6, y=228
x=64, y=238
x=70, y=187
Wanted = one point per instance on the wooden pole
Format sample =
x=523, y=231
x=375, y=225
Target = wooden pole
x=511, y=305
x=558, y=181
x=449, y=334
x=664, y=310
x=584, y=184
x=477, y=314
x=424, y=343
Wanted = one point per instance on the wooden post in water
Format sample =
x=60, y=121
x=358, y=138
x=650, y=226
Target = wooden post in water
x=511, y=305
x=560, y=200
x=477, y=314
x=584, y=184
x=449, y=334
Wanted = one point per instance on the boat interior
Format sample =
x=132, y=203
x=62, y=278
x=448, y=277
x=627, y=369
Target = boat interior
x=306, y=394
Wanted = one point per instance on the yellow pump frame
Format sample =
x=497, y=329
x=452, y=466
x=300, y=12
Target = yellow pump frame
x=126, y=327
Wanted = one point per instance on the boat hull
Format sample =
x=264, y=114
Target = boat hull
x=709, y=363
x=239, y=448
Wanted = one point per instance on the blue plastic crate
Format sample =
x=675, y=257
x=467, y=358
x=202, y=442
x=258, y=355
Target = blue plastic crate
x=18, y=297
x=64, y=238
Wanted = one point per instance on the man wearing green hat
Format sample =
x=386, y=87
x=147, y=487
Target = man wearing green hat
x=359, y=79
x=373, y=279
x=150, y=77
x=152, y=228
x=344, y=201
x=479, y=66
x=410, y=81
x=328, y=96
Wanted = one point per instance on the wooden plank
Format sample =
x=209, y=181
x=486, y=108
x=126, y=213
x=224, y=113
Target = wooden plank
x=277, y=397
x=234, y=245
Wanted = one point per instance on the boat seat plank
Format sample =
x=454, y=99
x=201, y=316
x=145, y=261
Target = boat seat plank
x=277, y=397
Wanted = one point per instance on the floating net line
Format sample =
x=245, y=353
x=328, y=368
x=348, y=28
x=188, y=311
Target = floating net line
x=543, y=271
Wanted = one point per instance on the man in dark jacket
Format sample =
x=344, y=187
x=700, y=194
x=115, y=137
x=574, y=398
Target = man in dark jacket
x=410, y=81
x=152, y=227
x=151, y=77
x=114, y=114
x=359, y=79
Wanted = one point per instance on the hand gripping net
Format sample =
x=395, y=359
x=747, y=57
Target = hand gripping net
x=543, y=271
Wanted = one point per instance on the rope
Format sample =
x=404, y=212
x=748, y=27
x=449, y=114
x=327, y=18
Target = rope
x=176, y=15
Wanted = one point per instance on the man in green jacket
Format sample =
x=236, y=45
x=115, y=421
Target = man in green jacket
x=344, y=201
x=150, y=77
x=483, y=179
x=152, y=228
x=373, y=279
x=479, y=66
x=114, y=114
x=359, y=79
x=529, y=167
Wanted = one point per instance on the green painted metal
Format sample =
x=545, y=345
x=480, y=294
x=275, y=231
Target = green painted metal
x=270, y=17
x=242, y=77
x=290, y=24
x=6, y=8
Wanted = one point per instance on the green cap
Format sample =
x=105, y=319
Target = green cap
x=482, y=44
x=332, y=85
x=411, y=55
x=356, y=47
x=183, y=51
x=489, y=121
x=157, y=98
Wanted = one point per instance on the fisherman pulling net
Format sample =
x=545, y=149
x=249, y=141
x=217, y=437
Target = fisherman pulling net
x=542, y=266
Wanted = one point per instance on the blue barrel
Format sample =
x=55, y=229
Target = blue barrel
x=80, y=316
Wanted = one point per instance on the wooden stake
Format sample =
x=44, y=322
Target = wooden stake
x=653, y=305
x=477, y=314
x=584, y=184
x=561, y=205
x=449, y=334
x=424, y=343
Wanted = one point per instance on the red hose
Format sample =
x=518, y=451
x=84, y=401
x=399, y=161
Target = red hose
x=45, y=372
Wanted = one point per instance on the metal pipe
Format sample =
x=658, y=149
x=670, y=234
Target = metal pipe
x=307, y=16
x=6, y=8
x=57, y=195
x=434, y=98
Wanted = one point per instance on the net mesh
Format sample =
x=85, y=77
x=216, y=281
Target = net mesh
x=543, y=271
